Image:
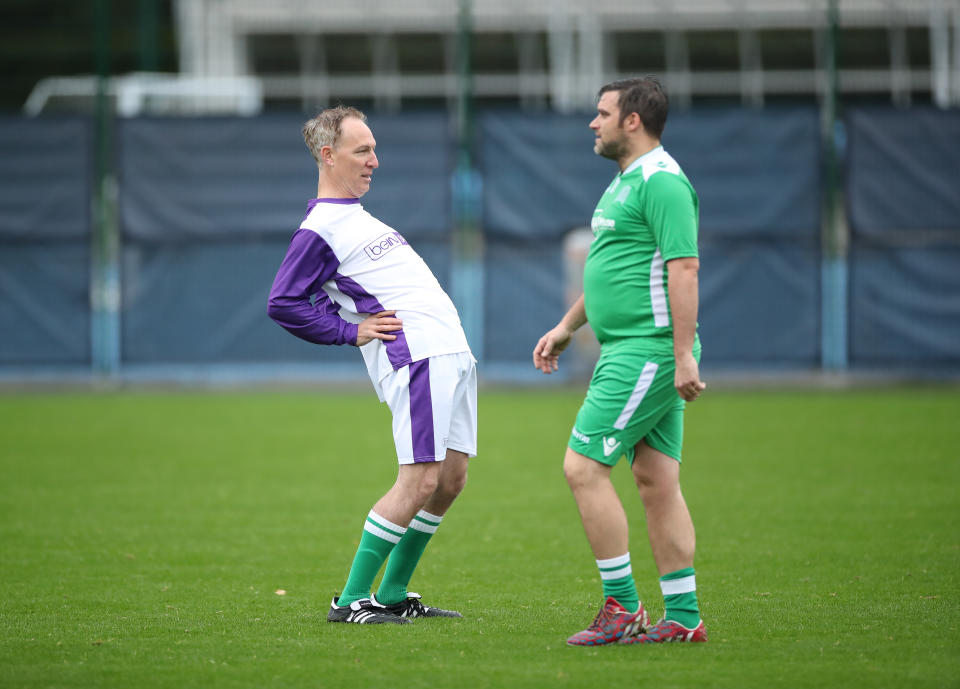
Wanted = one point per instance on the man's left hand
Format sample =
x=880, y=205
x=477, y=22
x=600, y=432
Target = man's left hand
x=687, y=378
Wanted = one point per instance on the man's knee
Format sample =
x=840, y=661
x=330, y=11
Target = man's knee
x=654, y=472
x=581, y=471
x=453, y=479
x=428, y=484
x=421, y=481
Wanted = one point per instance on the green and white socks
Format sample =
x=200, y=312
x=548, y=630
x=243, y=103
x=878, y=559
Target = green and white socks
x=617, y=577
x=404, y=558
x=680, y=597
x=679, y=590
x=379, y=538
x=382, y=539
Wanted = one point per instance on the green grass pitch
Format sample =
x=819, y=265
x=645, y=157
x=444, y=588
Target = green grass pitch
x=144, y=535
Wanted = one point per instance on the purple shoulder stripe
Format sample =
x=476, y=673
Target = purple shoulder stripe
x=309, y=263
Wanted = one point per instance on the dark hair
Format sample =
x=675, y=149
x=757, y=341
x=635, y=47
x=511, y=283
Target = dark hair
x=644, y=96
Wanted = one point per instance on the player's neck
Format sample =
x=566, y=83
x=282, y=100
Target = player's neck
x=641, y=148
x=329, y=189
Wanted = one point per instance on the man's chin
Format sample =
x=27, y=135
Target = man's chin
x=601, y=148
x=606, y=152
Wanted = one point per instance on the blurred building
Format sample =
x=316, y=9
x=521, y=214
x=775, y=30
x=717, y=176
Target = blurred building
x=243, y=56
x=554, y=53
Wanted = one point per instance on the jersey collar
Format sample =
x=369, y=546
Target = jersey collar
x=639, y=161
x=314, y=202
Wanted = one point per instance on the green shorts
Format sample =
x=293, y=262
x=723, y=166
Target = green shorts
x=631, y=398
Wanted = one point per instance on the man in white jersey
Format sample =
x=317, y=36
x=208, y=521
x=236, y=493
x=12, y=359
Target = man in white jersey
x=370, y=289
x=640, y=298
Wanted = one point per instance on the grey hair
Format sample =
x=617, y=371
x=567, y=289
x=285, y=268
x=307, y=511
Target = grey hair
x=325, y=128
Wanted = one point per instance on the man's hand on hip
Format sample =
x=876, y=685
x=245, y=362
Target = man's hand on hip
x=378, y=326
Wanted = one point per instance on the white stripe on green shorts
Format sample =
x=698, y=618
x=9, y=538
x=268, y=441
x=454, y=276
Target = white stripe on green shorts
x=615, y=567
x=643, y=384
x=383, y=528
x=425, y=522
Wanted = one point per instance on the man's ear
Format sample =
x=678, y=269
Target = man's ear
x=632, y=122
x=326, y=155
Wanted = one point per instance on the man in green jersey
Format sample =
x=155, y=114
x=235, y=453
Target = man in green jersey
x=640, y=297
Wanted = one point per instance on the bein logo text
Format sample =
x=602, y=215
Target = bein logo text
x=384, y=244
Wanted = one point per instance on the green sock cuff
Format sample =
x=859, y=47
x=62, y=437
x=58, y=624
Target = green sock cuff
x=680, y=600
x=679, y=574
x=616, y=574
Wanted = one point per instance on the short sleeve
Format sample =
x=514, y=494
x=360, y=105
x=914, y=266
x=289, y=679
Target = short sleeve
x=671, y=208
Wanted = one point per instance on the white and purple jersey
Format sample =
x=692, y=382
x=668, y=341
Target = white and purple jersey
x=354, y=264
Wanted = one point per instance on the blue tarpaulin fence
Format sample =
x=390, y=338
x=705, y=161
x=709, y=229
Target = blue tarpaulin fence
x=206, y=208
x=45, y=186
x=904, y=208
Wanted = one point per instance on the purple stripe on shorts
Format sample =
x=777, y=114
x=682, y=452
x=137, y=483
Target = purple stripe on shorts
x=397, y=350
x=421, y=412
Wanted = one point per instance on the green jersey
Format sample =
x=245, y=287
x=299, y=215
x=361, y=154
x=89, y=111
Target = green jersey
x=646, y=217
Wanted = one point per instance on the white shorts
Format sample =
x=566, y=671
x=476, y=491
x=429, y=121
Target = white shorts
x=434, y=407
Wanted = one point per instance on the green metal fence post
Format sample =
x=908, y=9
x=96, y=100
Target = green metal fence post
x=467, y=279
x=105, y=281
x=833, y=343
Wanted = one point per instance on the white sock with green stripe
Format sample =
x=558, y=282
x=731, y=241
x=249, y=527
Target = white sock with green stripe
x=617, y=577
x=404, y=558
x=379, y=538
